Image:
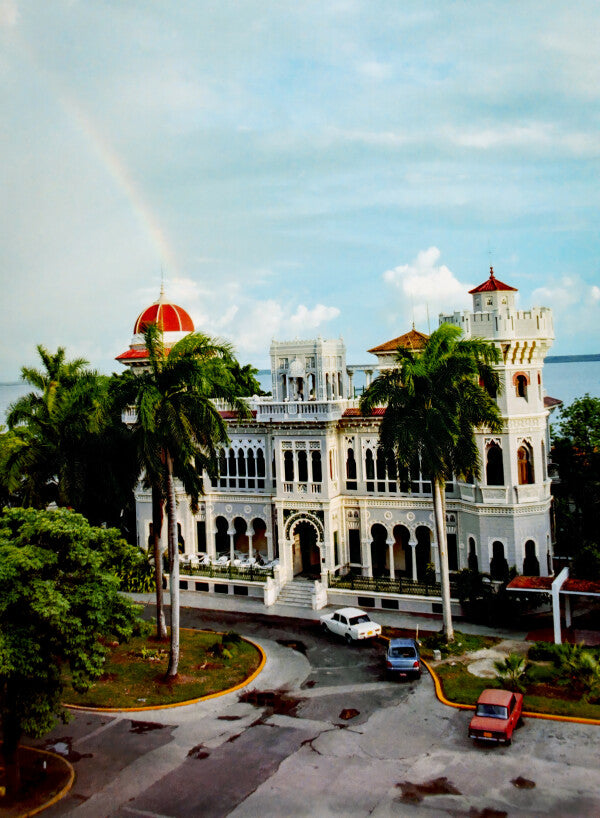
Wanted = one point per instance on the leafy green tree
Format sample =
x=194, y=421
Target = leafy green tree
x=245, y=377
x=179, y=429
x=511, y=671
x=576, y=451
x=58, y=598
x=435, y=399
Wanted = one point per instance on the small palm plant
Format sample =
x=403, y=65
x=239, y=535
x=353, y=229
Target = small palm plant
x=510, y=672
x=582, y=667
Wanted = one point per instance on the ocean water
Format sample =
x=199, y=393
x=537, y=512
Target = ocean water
x=565, y=380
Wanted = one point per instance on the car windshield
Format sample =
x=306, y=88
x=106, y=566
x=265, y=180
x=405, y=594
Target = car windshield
x=358, y=620
x=492, y=711
x=403, y=653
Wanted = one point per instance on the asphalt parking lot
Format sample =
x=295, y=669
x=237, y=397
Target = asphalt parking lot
x=320, y=733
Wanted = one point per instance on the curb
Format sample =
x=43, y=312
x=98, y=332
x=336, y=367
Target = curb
x=59, y=795
x=529, y=714
x=253, y=675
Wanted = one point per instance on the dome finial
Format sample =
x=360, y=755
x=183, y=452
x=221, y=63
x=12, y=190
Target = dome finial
x=491, y=272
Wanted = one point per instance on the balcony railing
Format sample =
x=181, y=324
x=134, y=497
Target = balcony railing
x=385, y=585
x=250, y=574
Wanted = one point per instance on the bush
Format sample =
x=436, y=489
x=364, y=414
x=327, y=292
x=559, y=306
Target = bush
x=545, y=652
x=511, y=671
x=231, y=637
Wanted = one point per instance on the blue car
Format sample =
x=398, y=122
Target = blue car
x=402, y=658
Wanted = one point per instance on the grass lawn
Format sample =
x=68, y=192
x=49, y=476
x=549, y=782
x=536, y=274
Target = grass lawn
x=540, y=697
x=134, y=674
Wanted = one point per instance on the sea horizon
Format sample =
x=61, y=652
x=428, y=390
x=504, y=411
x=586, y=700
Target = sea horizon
x=562, y=380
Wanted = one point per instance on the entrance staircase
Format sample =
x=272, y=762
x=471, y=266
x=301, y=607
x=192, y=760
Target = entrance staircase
x=298, y=593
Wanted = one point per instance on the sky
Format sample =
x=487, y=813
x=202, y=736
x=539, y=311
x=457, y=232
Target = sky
x=293, y=169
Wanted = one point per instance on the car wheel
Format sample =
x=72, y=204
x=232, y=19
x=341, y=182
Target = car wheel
x=520, y=723
x=349, y=639
x=508, y=742
x=324, y=627
x=417, y=675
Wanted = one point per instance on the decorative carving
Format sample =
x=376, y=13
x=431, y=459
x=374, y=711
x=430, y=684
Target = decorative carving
x=286, y=445
x=315, y=444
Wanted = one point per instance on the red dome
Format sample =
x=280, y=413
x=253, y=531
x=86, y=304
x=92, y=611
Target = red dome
x=169, y=317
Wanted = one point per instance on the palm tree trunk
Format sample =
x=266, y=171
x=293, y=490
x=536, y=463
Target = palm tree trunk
x=440, y=531
x=157, y=519
x=173, y=569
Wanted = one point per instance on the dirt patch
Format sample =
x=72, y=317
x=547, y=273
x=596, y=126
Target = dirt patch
x=523, y=783
x=349, y=713
x=553, y=692
x=229, y=718
x=64, y=747
x=414, y=793
x=274, y=701
x=142, y=727
x=294, y=644
x=198, y=752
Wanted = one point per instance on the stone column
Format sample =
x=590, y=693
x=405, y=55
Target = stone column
x=350, y=383
x=269, y=539
x=413, y=545
x=210, y=533
x=231, y=534
x=366, y=557
x=390, y=545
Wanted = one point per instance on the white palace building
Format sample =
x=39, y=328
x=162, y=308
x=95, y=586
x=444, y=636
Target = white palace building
x=304, y=483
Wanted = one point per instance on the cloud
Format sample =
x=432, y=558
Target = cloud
x=428, y=287
x=375, y=70
x=565, y=292
x=9, y=13
x=595, y=293
x=253, y=324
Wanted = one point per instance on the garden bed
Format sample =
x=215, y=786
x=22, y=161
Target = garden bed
x=134, y=675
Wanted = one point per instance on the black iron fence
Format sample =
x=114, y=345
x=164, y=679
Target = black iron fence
x=250, y=574
x=386, y=585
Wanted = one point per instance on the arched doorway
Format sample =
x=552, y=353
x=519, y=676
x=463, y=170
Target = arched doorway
x=379, y=551
x=402, y=551
x=423, y=550
x=306, y=552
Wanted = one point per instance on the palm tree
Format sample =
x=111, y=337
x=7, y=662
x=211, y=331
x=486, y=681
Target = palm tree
x=435, y=399
x=44, y=464
x=179, y=429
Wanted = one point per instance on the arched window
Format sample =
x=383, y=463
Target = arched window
x=494, y=467
x=241, y=463
x=531, y=565
x=302, y=466
x=350, y=470
x=498, y=564
x=370, y=470
x=521, y=386
x=260, y=468
x=472, y=558
x=288, y=467
x=525, y=464
x=317, y=471
x=251, y=463
x=391, y=473
x=232, y=468
x=380, y=463
x=222, y=469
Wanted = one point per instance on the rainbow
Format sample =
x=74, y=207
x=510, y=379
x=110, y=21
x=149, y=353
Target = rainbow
x=107, y=156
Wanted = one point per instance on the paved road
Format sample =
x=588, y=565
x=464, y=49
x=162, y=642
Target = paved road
x=293, y=753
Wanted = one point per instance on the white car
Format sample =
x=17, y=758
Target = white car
x=351, y=623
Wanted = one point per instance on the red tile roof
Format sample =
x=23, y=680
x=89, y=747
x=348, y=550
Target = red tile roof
x=531, y=584
x=410, y=340
x=378, y=411
x=492, y=285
